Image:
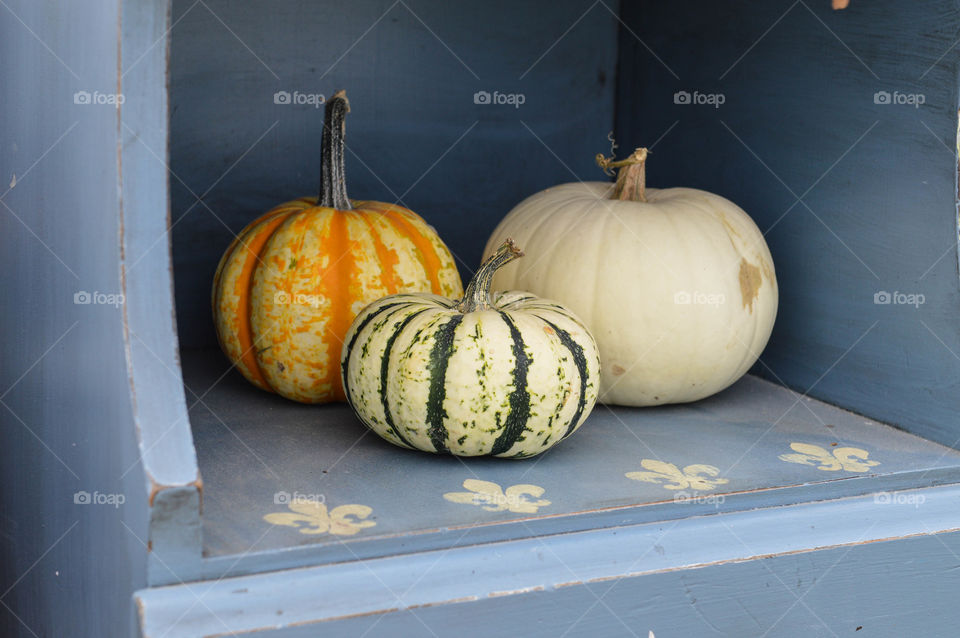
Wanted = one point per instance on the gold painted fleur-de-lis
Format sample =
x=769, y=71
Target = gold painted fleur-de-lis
x=310, y=517
x=694, y=477
x=850, y=459
x=521, y=499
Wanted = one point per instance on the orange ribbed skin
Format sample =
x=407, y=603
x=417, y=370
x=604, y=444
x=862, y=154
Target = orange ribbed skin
x=290, y=284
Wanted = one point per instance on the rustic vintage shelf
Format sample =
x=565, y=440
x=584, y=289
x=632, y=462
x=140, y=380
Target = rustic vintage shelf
x=252, y=445
x=841, y=507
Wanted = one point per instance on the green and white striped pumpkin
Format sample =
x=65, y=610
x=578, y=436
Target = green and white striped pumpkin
x=506, y=375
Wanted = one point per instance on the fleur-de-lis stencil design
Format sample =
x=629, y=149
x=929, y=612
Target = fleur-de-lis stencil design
x=694, y=477
x=850, y=459
x=521, y=499
x=310, y=517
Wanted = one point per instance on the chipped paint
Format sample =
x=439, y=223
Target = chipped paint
x=515, y=592
x=462, y=599
x=156, y=488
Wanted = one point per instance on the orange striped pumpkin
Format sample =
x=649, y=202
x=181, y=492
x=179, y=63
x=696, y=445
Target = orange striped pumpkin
x=290, y=284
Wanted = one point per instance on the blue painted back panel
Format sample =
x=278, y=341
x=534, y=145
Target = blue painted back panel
x=857, y=196
x=411, y=70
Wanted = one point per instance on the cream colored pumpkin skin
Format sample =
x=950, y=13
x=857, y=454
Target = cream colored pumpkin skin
x=679, y=291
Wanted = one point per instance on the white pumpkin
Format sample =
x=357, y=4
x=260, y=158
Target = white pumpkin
x=676, y=285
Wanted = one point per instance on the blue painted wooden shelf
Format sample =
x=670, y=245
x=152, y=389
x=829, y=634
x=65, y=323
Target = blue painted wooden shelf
x=831, y=510
x=258, y=452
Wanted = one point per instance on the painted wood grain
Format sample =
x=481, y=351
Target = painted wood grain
x=89, y=386
x=415, y=133
x=754, y=445
x=861, y=562
x=836, y=132
x=69, y=559
x=167, y=457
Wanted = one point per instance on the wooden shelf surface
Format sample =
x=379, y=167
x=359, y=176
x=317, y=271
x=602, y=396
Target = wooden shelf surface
x=259, y=452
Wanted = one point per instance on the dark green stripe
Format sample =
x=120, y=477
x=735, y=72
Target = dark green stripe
x=518, y=300
x=580, y=361
x=439, y=358
x=385, y=367
x=353, y=341
x=519, y=400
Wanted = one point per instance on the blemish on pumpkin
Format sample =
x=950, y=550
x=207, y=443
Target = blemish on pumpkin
x=548, y=330
x=617, y=370
x=730, y=228
x=767, y=266
x=750, y=280
x=280, y=366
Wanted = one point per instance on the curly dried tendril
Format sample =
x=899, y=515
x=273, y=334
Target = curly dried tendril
x=631, y=178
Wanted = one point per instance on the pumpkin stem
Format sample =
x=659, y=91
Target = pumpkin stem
x=333, y=184
x=632, y=176
x=477, y=296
